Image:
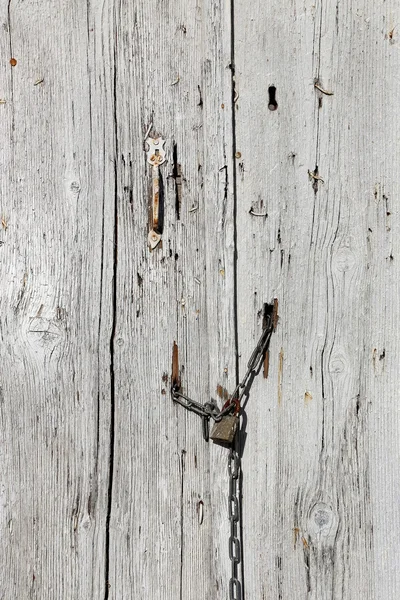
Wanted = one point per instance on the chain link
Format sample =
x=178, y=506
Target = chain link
x=208, y=410
x=235, y=590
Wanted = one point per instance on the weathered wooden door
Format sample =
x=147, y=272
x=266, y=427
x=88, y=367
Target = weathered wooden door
x=281, y=181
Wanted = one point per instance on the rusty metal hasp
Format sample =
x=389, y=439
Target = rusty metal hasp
x=155, y=157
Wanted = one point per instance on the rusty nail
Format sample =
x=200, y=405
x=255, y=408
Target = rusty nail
x=321, y=89
x=315, y=176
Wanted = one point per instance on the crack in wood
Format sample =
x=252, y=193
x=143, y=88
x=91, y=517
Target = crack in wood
x=177, y=175
x=112, y=347
x=183, y=452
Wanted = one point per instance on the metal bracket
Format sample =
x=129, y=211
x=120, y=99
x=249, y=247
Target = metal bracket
x=156, y=156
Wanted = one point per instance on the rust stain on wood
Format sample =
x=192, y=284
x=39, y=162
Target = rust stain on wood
x=266, y=365
x=307, y=397
x=296, y=533
x=175, y=366
x=222, y=392
x=275, y=316
x=280, y=372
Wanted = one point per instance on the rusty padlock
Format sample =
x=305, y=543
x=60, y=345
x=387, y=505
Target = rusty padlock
x=223, y=432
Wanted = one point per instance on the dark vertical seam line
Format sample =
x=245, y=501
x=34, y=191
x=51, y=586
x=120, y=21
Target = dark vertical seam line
x=181, y=532
x=178, y=421
x=102, y=241
x=238, y=441
x=113, y=330
x=99, y=364
x=234, y=178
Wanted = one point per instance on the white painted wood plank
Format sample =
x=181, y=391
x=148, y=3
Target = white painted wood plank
x=56, y=169
x=319, y=489
x=172, y=72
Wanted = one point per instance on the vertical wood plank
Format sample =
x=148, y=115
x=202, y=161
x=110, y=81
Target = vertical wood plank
x=56, y=181
x=274, y=50
x=168, y=526
x=324, y=422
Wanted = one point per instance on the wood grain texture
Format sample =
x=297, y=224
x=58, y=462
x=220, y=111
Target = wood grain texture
x=104, y=479
x=319, y=500
x=107, y=488
x=173, y=74
x=56, y=235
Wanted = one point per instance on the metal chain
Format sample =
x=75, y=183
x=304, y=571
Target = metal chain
x=235, y=589
x=256, y=358
x=209, y=410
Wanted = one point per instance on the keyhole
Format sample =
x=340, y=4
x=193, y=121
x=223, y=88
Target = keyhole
x=272, y=104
